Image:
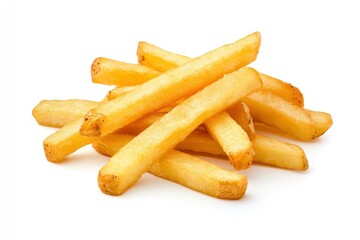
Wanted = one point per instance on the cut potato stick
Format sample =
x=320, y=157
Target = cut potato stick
x=276, y=112
x=159, y=59
x=283, y=114
x=198, y=141
x=162, y=61
x=282, y=89
x=269, y=151
x=65, y=141
x=232, y=138
x=57, y=113
x=180, y=82
x=127, y=165
x=279, y=153
x=322, y=121
x=241, y=114
x=182, y=168
x=111, y=72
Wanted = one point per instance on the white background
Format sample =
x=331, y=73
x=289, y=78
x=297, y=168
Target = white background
x=47, y=48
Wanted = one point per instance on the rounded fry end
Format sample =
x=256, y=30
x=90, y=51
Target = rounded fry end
x=305, y=162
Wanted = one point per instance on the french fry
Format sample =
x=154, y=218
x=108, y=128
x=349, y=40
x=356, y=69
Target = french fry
x=222, y=128
x=269, y=151
x=322, y=121
x=232, y=138
x=283, y=89
x=184, y=169
x=197, y=141
x=127, y=165
x=240, y=112
x=57, y=113
x=276, y=112
x=279, y=153
x=180, y=82
x=282, y=113
x=108, y=71
x=162, y=61
x=159, y=59
x=65, y=141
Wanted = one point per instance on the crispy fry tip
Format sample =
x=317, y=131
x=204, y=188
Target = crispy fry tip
x=108, y=184
x=232, y=191
x=95, y=67
x=50, y=153
x=91, y=124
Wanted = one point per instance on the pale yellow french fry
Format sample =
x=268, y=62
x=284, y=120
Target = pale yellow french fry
x=182, y=168
x=279, y=153
x=65, y=141
x=180, y=82
x=276, y=112
x=112, y=72
x=159, y=59
x=57, y=113
x=283, y=89
x=322, y=121
x=127, y=165
x=162, y=60
x=232, y=138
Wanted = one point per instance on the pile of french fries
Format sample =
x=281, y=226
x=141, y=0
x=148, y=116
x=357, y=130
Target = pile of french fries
x=168, y=109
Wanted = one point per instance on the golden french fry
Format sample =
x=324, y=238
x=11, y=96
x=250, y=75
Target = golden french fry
x=322, y=121
x=112, y=72
x=65, y=141
x=283, y=89
x=276, y=112
x=159, y=59
x=170, y=86
x=162, y=60
x=286, y=116
x=127, y=166
x=198, y=141
x=232, y=138
x=279, y=153
x=269, y=151
x=57, y=113
x=240, y=112
x=184, y=169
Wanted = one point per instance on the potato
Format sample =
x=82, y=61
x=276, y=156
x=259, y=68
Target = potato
x=185, y=169
x=170, y=86
x=110, y=72
x=162, y=61
x=57, y=113
x=127, y=166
